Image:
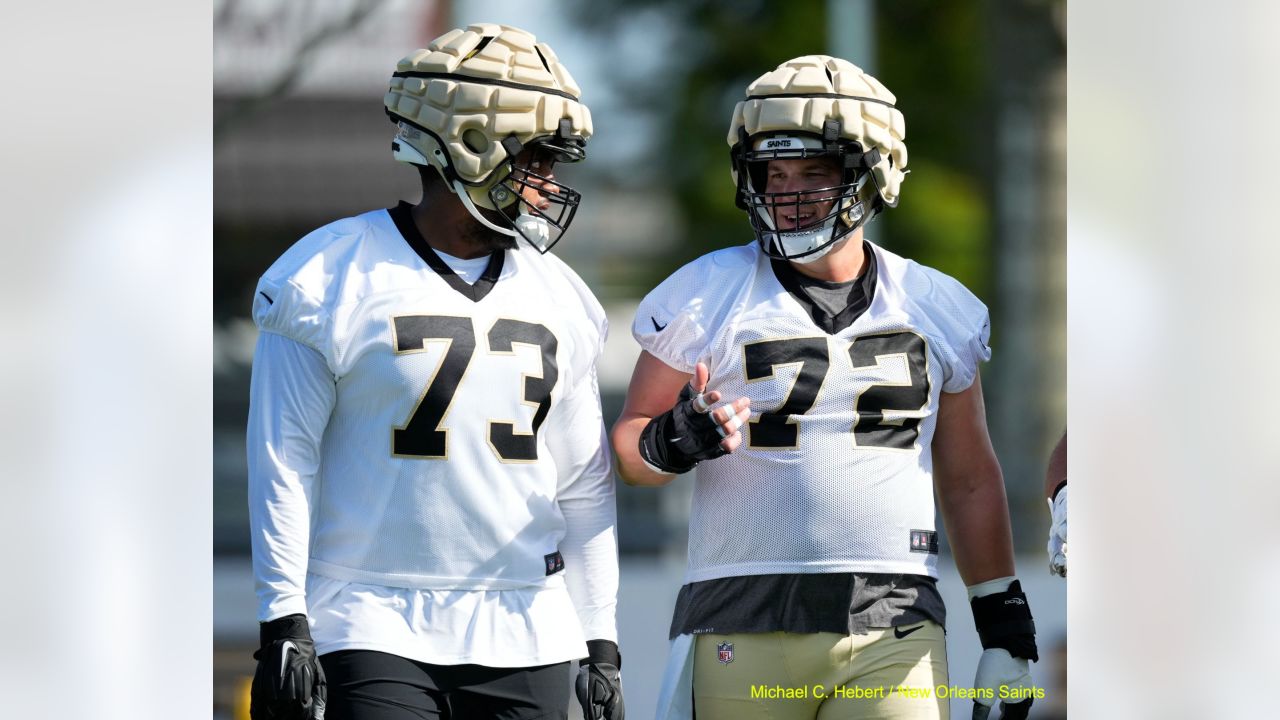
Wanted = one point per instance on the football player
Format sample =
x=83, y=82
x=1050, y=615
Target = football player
x=431, y=492
x=1055, y=490
x=823, y=388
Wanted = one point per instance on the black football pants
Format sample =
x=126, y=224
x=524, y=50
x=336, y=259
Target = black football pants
x=368, y=685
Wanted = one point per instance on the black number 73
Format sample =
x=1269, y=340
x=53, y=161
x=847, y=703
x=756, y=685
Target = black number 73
x=777, y=429
x=422, y=436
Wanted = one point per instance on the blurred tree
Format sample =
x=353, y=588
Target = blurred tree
x=930, y=57
x=286, y=78
x=714, y=49
x=1027, y=398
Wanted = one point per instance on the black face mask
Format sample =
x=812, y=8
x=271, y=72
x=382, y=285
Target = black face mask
x=541, y=227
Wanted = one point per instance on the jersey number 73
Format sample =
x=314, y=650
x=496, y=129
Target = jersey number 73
x=422, y=436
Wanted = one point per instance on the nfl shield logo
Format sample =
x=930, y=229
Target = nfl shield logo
x=725, y=652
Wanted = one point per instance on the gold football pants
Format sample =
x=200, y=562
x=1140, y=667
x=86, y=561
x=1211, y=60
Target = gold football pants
x=889, y=673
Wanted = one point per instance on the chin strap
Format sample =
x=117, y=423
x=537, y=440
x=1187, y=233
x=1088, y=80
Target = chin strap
x=461, y=191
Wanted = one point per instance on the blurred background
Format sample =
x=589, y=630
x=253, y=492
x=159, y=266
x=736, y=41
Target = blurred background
x=300, y=140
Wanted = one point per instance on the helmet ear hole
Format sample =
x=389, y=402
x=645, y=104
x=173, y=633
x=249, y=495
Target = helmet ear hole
x=475, y=140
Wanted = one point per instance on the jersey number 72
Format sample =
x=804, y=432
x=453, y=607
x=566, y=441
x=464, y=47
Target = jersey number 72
x=905, y=400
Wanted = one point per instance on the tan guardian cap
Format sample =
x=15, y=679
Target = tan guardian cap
x=470, y=101
x=804, y=94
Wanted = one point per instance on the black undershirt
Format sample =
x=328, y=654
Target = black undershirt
x=832, y=306
x=844, y=603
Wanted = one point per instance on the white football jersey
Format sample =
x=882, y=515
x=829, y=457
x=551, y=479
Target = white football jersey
x=463, y=417
x=835, y=472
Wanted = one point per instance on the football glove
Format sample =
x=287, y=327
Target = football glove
x=599, y=683
x=1058, y=533
x=1008, y=635
x=678, y=439
x=289, y=683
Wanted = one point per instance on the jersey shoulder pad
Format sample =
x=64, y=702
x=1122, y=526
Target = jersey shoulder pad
x=296, y=295
x=677, y=321
x=594, y=310
x=950, y=310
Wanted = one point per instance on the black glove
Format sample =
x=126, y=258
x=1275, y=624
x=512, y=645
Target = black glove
x=599, y=684
x=1008, y=636
x=289, y=683
x=681, y=437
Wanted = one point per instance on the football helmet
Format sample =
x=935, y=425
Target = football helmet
x=817, y=106
x=471, y=102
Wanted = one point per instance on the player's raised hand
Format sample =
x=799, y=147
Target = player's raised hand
x=729, y=417
x=677, y=440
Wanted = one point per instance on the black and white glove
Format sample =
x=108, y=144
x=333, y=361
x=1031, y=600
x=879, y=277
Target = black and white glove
x=1008, y=635
x=289, y=683
x=1058, y=532
x=599, y=683
x=680, y=438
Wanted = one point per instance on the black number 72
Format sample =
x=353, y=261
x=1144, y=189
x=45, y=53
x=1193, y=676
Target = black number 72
x=777, y=428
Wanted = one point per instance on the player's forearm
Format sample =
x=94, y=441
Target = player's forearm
x=626, y=447
x=279, y=521
x=976, y=516
x=291, y=395
x=590, y=550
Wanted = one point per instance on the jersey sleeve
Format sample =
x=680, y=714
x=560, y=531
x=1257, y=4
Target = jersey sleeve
x=676, y=321
x=594, y=322
x=586, y=497
x=281, y=307
x=967, y=326
x=576, y=438
x=291, y=396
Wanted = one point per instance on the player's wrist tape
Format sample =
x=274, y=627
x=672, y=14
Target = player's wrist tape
x=288, y=627
x=604, y=651
x=1003, y=620
x=680, y=438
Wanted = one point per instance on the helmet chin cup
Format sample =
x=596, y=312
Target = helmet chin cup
x=801, y=247
x=536, y=230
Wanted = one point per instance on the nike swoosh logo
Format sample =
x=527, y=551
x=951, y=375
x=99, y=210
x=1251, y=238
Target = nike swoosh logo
x=284, y=655
x=656, y=326
x=900, y=633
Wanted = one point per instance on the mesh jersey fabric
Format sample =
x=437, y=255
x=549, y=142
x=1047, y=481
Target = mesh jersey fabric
x=485, y=512
x=841, y=480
